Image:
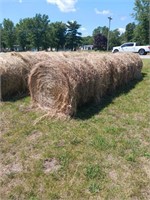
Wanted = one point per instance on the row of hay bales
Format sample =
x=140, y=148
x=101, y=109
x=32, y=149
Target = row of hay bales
x=61, y=82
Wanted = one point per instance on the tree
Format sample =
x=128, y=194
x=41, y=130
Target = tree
x=39, y=27
x=51, y=36
x=142, y=15
x=73, y=37
x=100, y=42
x=2, y=38
x=122, y=38
x=23, y=33
x=58, y=35
x=129, y=33
x=103, y=30
x=88, y=40
x=114, y=38
x=8, y=34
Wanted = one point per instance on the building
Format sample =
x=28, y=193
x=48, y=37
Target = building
x=87, y=47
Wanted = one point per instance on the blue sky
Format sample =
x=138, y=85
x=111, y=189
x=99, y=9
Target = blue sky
x=89, y=13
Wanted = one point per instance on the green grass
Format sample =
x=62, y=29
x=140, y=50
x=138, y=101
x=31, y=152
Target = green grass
x=103, y=153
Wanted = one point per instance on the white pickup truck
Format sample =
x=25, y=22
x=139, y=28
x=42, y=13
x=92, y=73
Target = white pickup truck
x=132, y=47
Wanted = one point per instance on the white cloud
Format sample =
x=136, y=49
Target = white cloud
x=121, y=30
x=103, y=12
x=64, y=5
x=123, y=18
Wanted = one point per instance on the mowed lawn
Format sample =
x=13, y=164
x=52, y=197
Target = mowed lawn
x=102, y=153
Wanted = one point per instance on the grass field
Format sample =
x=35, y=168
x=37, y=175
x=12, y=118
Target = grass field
x=103, y=153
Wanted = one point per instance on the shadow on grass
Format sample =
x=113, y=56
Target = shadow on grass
x=90, y=109
x=16, y=97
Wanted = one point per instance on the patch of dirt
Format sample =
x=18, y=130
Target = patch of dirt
x=145, y=163
x=51, y=165
x=11, y=168
x=34, y=135
x=113, y=175
x=35, y=156
x=146, y=193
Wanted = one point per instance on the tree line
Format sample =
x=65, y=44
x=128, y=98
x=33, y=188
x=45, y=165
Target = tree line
x=39, y=33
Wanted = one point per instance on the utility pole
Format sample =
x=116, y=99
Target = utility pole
x=110, y=18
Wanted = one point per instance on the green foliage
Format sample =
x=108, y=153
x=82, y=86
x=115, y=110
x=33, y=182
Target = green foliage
x=24, y=34
x=102, y=30
x=57, y=35
x=38, y=33
x=114, y=38
x=100, y=42
x=39, y=27
x=73, y=37
x=8, y=34
x=142, y=15
x=87, y=40
x=129, y=33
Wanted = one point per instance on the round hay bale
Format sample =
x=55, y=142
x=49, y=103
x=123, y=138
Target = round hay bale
x=14, y=70
x=56, y=85
x=14, y=75
x=60, y=86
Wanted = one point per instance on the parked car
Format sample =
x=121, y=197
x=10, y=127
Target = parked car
x=132, y=47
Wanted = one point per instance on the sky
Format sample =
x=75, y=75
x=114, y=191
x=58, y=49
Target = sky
x=88, y=13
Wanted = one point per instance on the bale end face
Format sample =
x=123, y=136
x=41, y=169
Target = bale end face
x=49, y=89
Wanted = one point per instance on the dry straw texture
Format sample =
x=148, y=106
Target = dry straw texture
x=59, y=86
x=14, y=70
